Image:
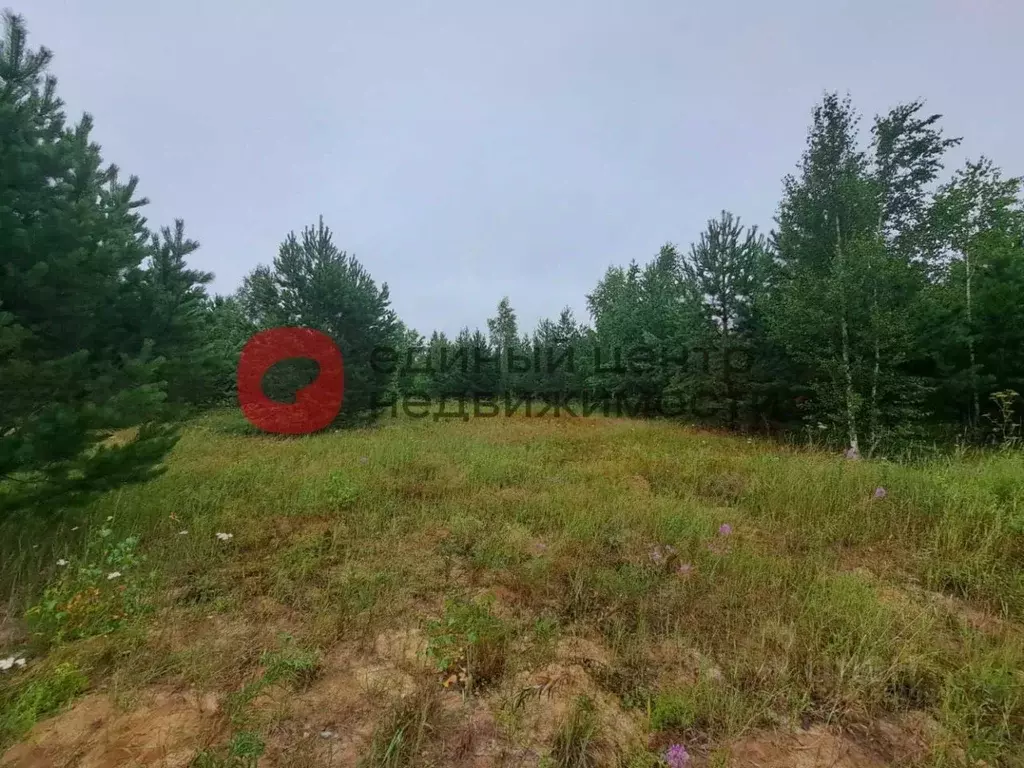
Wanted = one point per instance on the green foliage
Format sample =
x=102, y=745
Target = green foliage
x=243, y=751
x=178, y=317
x=468, y=644
x=95, y=596
x=290, y=664
x=313, y=284
x=73, y=243
x=726, y=270
x=41, y=694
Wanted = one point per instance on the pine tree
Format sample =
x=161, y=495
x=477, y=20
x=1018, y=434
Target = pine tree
x=174, y=316
x=72, y=369
x=561, y=357
x=641, y=330
x=723, y=269
x=227, y=329
x=315, y=285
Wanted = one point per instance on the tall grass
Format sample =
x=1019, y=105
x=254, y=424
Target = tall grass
x=825, y=603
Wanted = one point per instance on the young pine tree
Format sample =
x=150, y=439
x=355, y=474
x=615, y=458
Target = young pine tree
x=313, y=284
x=175, y=317
x=72, y=368
x=723, y=268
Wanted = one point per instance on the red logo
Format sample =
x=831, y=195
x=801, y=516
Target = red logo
x=315, y=405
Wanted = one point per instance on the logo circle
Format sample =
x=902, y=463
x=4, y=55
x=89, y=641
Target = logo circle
x=316, y=405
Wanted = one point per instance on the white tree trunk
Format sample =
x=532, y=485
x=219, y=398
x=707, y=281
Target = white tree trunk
x=851, y=411
x=975, y=402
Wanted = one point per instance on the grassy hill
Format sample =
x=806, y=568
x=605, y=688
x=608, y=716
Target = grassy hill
x=522, y=591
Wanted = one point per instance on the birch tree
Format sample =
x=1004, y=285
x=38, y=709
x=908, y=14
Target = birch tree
x=826, y=236
x=976, y=210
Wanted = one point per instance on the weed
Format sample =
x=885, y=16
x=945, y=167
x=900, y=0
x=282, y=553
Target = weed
x=39, y=695
x=707, y=709
x=1005, y=426
x=399, y=740
x=468, y=644
x=243, y=751
x=95, y=597
x=577, y=743
x=289, y=664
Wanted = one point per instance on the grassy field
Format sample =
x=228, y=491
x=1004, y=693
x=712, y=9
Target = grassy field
x=522, y=592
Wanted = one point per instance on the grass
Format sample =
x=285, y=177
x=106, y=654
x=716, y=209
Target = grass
x=502, y=540
x=576, y=743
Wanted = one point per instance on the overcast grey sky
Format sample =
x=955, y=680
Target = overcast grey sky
x=465, y=150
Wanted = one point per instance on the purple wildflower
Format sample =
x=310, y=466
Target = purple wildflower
x=677, y=757
x=724, y=529
x=881, y=493
x=656, y=556
x=684, y=569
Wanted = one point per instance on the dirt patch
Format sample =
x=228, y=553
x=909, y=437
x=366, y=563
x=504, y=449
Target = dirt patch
x=679, y=666
x=814, y=748
x=906, y=738
x=164, y=729
x=544, y=699
x=332, y=722
x=903, y=739
x=474, y=740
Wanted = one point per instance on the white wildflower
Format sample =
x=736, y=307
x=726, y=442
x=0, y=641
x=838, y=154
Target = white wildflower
x=225, y=536
x=183, y=533
x=10, y=662
x=113, y=575
x=75, y=528
x=62, y=562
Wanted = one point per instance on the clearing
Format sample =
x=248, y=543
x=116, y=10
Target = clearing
x=523, y=592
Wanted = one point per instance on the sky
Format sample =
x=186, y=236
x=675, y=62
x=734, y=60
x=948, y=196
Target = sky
x=467, y=150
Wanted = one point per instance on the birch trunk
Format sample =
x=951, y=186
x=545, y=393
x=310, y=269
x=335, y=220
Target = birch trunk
x=851, y=411
x=975, y=402
x=876, y=372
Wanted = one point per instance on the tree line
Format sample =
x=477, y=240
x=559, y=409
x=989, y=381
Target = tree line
x=886, y=302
